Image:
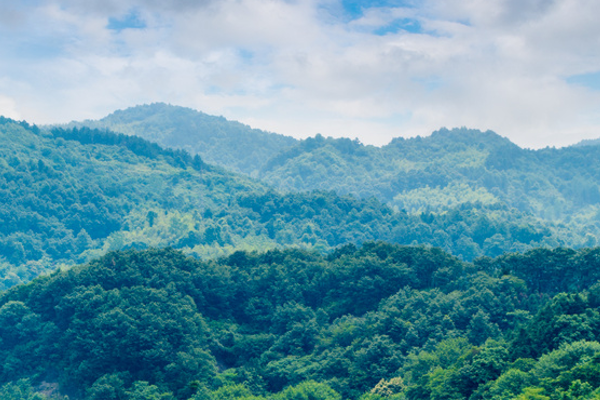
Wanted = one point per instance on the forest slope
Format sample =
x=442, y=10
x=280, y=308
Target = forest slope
x=70, y=195
x=459, y=168
x=230, y=144
x=377, y=322
x=447, y=169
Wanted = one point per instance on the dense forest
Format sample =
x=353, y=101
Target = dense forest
x=140, y=265
x=374, y=322
x=71, y=195
x=447, y=170
x=230, y=144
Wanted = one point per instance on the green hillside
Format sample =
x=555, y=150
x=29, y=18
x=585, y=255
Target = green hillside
x=70, y=195
x=445, y=170
x=230, y=144
x=374, y=322
x=458, y=168
x=415, y=174
x=451, y=169
x=65, y=202
x=168, y=277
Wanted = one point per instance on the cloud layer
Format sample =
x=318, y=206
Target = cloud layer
x=527, y=69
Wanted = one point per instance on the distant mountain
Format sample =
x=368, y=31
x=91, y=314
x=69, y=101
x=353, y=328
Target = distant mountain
x=71, y=195
x=230, y=144
x=441, y=161
x=450, y=168
x=588, y=142
x=356, y=316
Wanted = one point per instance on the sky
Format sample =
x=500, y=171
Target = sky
x=373, y=70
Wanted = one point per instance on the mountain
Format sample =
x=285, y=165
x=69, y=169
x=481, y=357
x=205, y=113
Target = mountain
x=459, y=168
x=446, y=170
x=71, y=195
x=197, y=283
x=588, y=142
x=374, y=322
x=230, y=144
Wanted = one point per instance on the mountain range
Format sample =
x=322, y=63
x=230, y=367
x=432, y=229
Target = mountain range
x=163, y=254
x=450, y=169
x=73, y=193
x=435, y=173
x=229, y=144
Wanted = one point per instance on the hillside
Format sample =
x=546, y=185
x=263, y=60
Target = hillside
x=588, y=142
x=230, y=144
x=70, y=195
x=451, y=169
x=445, y=170
x=458, y=168
x=65, y=202
x=374, y=322
x=295, y=295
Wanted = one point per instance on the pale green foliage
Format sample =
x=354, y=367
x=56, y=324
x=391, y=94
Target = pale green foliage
x=22, y=390
x=308, y=390
x=387, y=388
x=230, y=392
x=143, y=391
x=532, y=394
x=566, y=357
x=437, y=198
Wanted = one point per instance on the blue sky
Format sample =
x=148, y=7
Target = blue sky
x=131, y=20
x=587, y=81
x=374, y=70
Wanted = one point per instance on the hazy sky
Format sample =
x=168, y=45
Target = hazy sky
x=527, y=69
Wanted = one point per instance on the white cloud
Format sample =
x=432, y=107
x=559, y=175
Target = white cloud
x=292, y=67
x=8, y=108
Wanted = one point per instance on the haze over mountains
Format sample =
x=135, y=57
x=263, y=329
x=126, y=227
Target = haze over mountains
x=449, y=169
x=220, y=262
x=162, y=253
x=73, y=194
x=230, y=144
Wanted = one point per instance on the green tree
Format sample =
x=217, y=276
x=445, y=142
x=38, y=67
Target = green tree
x=308, y=390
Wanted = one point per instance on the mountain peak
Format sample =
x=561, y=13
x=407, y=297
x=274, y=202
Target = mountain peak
x=144, y=111
x=229, y=144
x=470, y=135
x=456, y=139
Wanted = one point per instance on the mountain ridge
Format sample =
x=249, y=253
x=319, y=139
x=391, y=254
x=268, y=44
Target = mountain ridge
x=452, y=168
x=296, y=295
x=215, y=139
x=70, y=195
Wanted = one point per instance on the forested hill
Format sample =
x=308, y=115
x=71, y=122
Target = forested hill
x=449, y=169
x=230, y=144
x=588, y=142
x=71, y=195
x=376, y=322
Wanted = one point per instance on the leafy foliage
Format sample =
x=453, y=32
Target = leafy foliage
x=451, y=170
x=332, y=316
x=72, y=195
x=372, y=322
x=217, y=140
x=446, y=170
